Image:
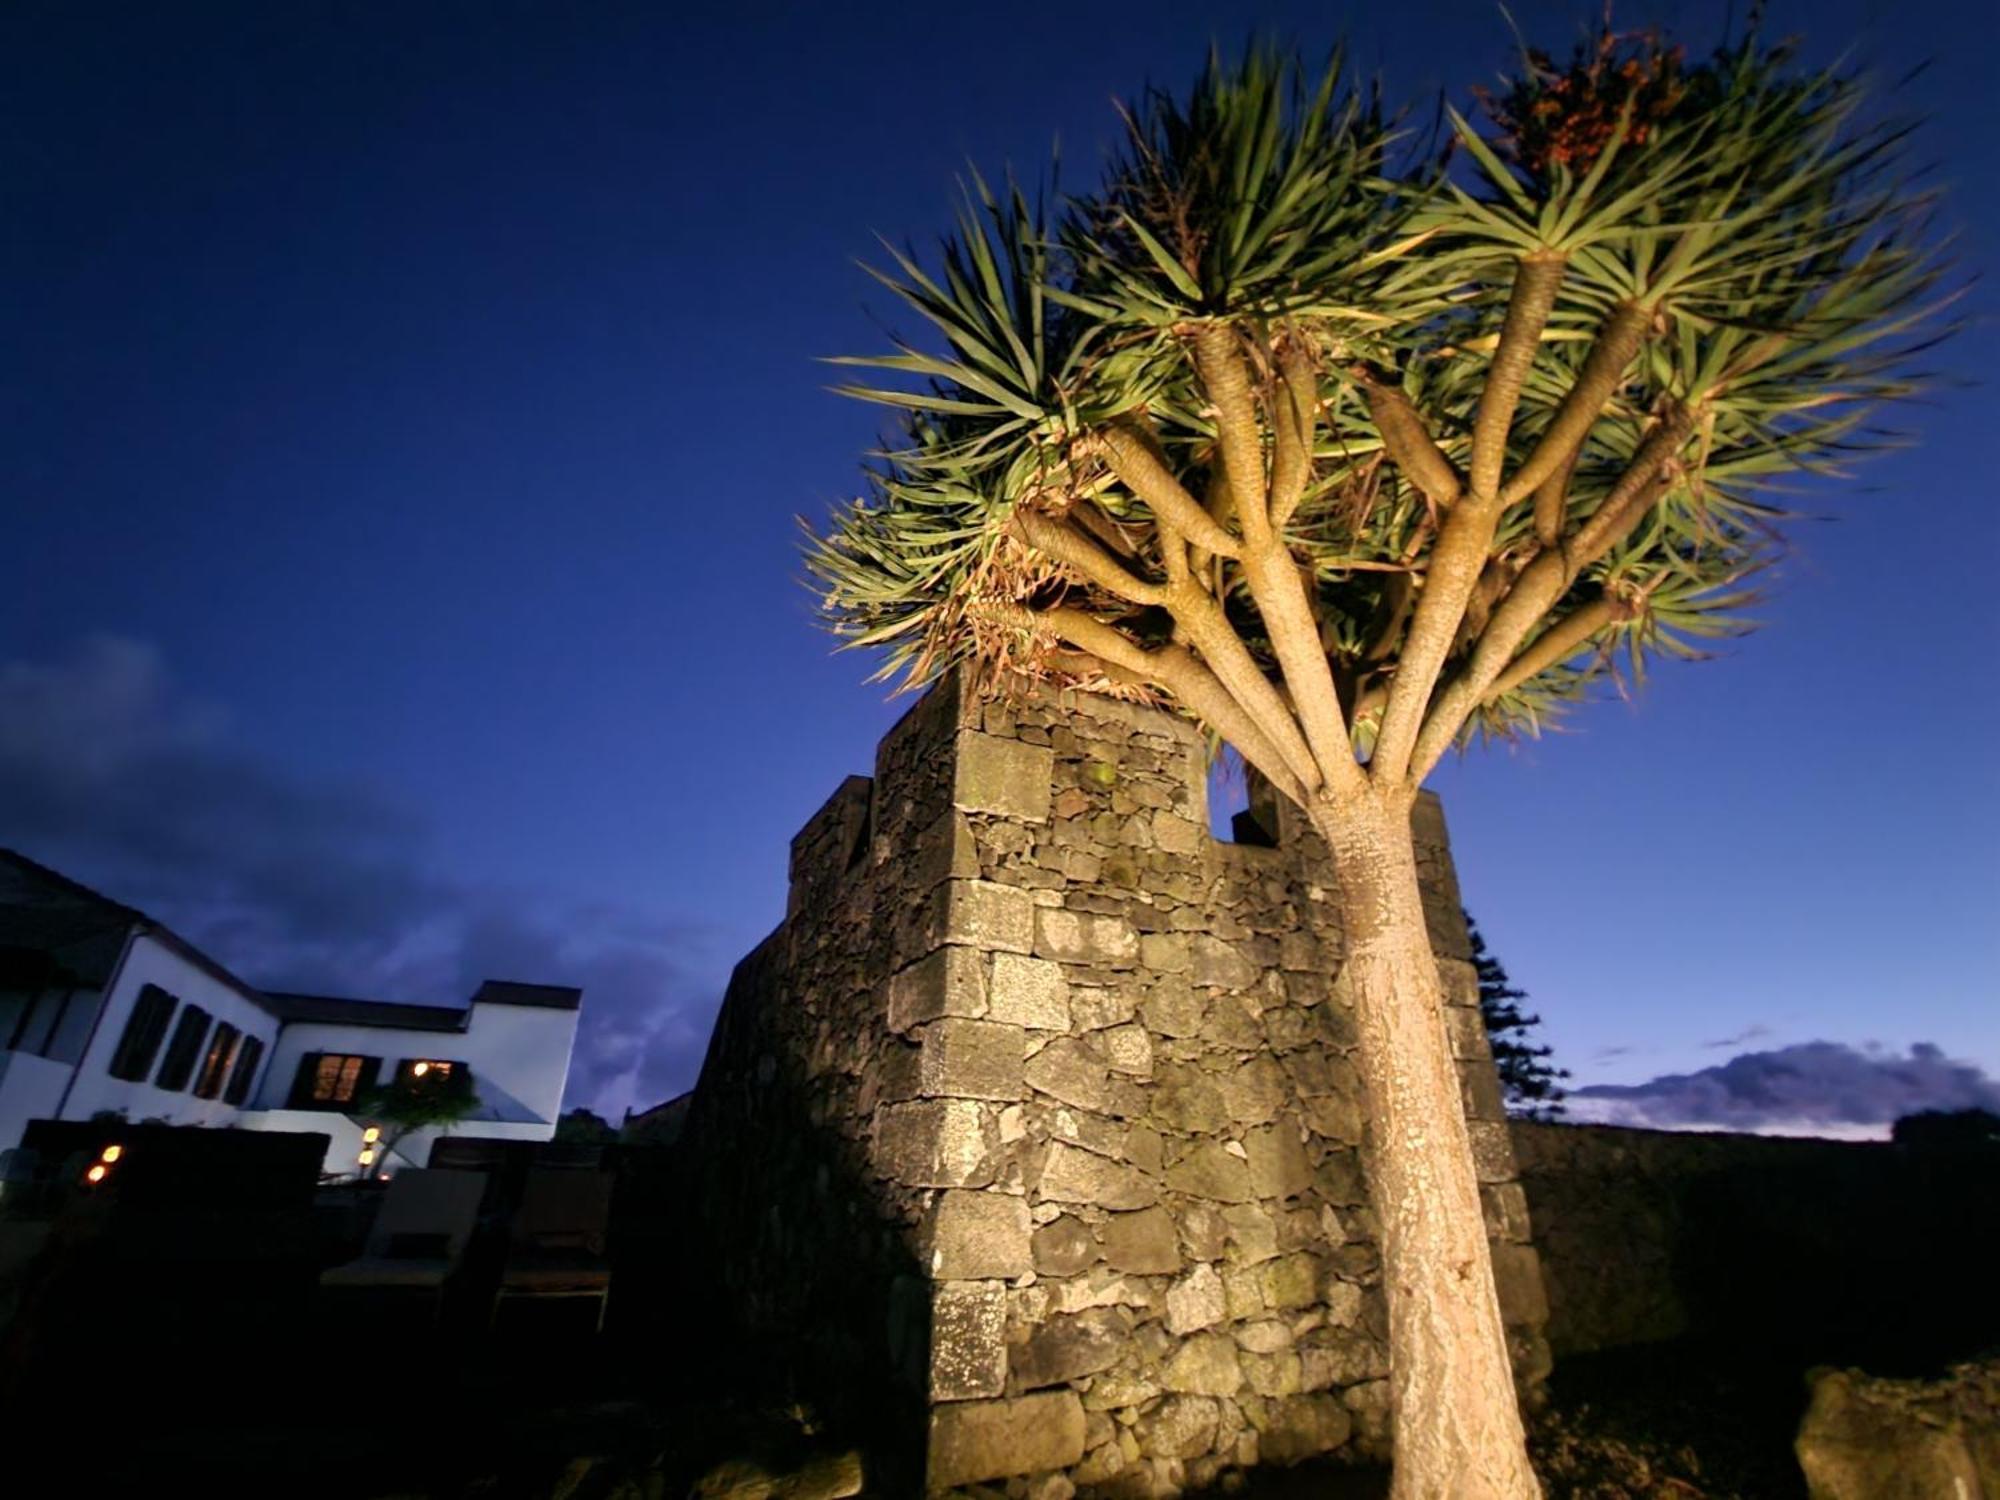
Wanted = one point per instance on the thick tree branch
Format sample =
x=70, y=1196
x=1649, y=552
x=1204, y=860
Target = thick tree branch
x=1069, y=546
x=1203, y=624
x=1409, y=444
x=1557, y=644
x=1225, y=380
x=1171, y=668
x=1552, y=502
x=1652, y=473
x=1602, y=373
x=1136, y=459
x=1466, y=536
x=1536, y=281
x=1293, y=420
x=1281, y=598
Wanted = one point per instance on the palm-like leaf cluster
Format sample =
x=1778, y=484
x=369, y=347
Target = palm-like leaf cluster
x=1517, y=417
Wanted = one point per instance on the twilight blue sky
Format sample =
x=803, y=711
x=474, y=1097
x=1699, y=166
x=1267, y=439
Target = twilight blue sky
x=402, y=418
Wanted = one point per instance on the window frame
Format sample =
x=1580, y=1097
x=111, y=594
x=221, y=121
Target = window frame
x=133, y=1058
x=216, y=1059
x=184, y=1049
x=243, y=1071
x=305, y=1083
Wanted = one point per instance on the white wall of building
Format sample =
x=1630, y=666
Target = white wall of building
x=30, y=1089
x=150, y=961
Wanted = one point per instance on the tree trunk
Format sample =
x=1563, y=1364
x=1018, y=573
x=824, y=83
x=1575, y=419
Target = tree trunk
x=1457, y=1422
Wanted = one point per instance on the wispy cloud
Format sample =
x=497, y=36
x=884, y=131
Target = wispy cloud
x=1748, y=1034
x=112, y=774
x=1810, y=1088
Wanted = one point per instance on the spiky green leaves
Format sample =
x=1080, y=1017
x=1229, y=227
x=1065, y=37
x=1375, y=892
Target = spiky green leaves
x=1740, y=269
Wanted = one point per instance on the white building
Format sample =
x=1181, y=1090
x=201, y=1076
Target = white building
x=104, y=1009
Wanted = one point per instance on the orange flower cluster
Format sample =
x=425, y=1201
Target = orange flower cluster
x=1567, y=115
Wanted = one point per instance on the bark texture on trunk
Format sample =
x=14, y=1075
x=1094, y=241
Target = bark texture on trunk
x=1457, y=1421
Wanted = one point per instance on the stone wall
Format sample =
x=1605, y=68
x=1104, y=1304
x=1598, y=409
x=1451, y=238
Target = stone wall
x=1802, y=1251
x=1040, y=1108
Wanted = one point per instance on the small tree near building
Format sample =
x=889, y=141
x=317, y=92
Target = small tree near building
x=436, y=1097
x=1353, y=458
x=1531, y=1085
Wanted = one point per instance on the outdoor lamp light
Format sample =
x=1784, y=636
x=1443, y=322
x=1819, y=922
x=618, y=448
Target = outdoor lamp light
x=97, y=1173
x=367, y=1156
x=420, y=1069
x=111, y=1154
x=372, y=1134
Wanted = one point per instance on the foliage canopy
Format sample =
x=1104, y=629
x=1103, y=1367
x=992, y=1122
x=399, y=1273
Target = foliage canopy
x=1513, y=414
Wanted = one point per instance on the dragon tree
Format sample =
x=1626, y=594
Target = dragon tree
x=1355, y=451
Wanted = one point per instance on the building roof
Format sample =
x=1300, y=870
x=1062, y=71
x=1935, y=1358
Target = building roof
x=542, y=996
x=339, y=1010
x=51, y=925
x=82, y=930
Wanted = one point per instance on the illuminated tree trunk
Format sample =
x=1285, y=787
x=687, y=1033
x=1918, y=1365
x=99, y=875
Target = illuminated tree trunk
x=1457, y=1422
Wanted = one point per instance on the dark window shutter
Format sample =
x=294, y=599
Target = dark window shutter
x=144, y=1030
x=248, y=1056
x=190, y=1031
x=215, y=1064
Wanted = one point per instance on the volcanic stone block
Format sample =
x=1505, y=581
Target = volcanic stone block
x=971, y=1060
x=968, y=1345
x=1196, y=1301
x=1278, y=1165
x=1071, y=1174
x=1302, y=1427
x=1128, y=1050
x=1290, y=1281
x=1067, y=1069
x=1003, y=776
x=1029, y=992
x=1221, y=965
x=1492, y=1150
x=1084, y=937
x=972, y=1441
x=1164, y=952
x=1063, y=1247
x=1468, y=1033
x=936, y=1143
x=983, y=914
x=1206, y=1365
x=1068, y=1348
x=949, y=982
x=1206, y=1170
x=974, y=1236
x=1144, y=1243
x=1173, y=1009
x=1517, y=1273
x=1479, y=1086
x=1179, y=1427
x=1255, y=1090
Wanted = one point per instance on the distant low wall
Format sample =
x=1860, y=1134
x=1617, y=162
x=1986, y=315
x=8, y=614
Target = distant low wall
x=1818, y=1250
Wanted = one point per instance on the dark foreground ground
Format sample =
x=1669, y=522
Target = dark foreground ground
x=370, y=1402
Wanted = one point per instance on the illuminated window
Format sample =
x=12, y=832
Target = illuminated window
x=215, y=1066
x=332, y=1080
x=190, y=1031
x=248, y=1056
x=145, y=1029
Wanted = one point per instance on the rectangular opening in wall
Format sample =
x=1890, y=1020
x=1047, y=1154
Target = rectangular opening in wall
x=215, y=1064
x=333, y=1080
x=190, y=1031
x=248, y=1056
x=145, y=1029
x=1242, y=808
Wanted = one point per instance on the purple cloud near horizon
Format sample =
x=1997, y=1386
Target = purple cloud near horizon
x=1818, y=1087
